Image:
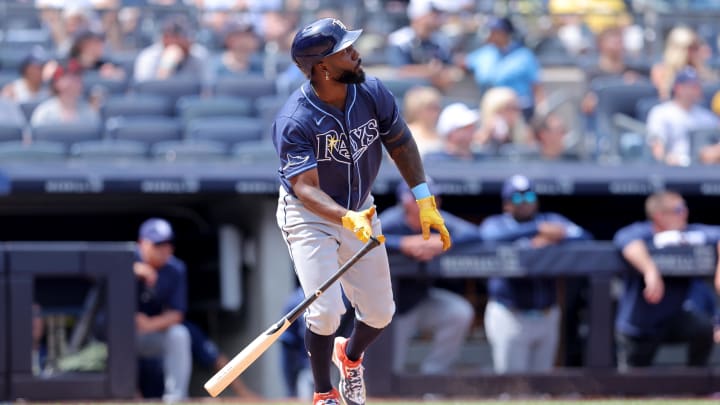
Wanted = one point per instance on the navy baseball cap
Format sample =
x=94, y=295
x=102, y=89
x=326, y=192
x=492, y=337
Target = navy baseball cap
x=687, y=75
x=516, y=184
x=501, y=24
x=156, y=230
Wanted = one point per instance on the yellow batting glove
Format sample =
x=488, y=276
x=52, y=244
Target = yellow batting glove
x=430, y=218
x=360, y=223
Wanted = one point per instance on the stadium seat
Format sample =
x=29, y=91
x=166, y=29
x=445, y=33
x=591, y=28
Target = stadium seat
x=93, y=81
x=29, y=107
x=701, y=138
x=398, y=87
x=12, y=56
x=267, y=108
x=251, y=86
x=7, y=76
x=189, y=150
x=709, y=91
x=149, y=130
x=10, y=133
x=108, y=150
x=617, y=97
x=191, y=107
x=135, y=105
x=226, y=130
x=33, y=152
x=643, y=107
x=65, y=133
x=172, y=88
x=254, y=152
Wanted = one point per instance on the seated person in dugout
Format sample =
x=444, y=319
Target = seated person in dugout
x=651, y=311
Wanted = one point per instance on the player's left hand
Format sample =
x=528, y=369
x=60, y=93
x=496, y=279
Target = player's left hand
x=430, y=218
x=360, y=223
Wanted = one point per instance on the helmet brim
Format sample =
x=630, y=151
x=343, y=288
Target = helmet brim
x=348, y=39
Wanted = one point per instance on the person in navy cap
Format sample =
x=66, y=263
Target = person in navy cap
x=670, y=123
x=30, y=86
x=522, y=319
x=162, y=303
x=421, y=306
x=505, y=62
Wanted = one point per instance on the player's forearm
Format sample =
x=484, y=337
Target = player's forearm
x=165, y=320
x=319, y=203
x=637, y=254
x=408, y=161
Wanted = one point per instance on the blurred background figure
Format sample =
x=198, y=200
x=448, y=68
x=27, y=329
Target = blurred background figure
x=240, y=55
x=551, y=133
x=505, y=62
x=670, y=123
x=502, y=121
x=651, y=310
x=30, y=86
x=88, y=50
x=683, y=48
x=419, y=50
x=522, y=317
x=175, y=54
x=456, y=127
x=68, y=104
x=421, y=110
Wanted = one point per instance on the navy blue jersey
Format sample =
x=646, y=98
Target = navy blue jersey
x=635, y=316
x=169, y=292
x=344, y=146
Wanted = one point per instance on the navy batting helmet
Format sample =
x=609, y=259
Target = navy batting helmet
x=322, y=38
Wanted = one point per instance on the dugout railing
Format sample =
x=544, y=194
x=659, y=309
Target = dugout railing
x=599, y=262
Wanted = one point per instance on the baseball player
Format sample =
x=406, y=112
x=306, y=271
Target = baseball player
x=329, y=137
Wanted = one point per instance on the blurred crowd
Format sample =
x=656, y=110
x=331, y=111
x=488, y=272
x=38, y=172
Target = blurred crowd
x=471, y=77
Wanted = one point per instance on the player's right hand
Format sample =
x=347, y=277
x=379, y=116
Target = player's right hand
x=430, y=218
x=360, y=223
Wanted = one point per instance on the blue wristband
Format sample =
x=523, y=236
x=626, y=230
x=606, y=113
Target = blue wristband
x=421, y=191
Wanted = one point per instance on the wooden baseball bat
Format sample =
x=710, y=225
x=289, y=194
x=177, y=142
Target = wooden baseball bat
x=218, y=382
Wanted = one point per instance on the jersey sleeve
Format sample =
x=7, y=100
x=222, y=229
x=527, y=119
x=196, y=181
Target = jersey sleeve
x=637, y=231
x=178, y=297
x=294, y=148
x=390, y=122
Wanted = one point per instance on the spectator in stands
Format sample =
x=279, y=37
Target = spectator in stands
x=669, y=124
x=75, y=19
x=173, y=56
x=420, y=51
x=422, y=307
x=162, y=303
x=522, y=319
x=683, y=48
x=30, y=85
x=610, y=64
x=241, y=47
x=67, y=106
x=505, y=62
x=421, y=110
x=502, y=121
x=88, y=50
x=551, y=134
x=651, y=311
x=456, y=127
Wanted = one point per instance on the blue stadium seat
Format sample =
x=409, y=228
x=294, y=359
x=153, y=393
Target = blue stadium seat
x=28, y=108
x=135, y=105
x=709, y=91
x=191, y=107
x=65, y=133
x=251, y=86
x=616, y=97
x=10, y=133
x=12, y=56
x=189, y=150
x=701, y=138
x=254, y=152
x=399, y=86
x=226, y=130
x=7, y=76
x=172, y=88
x=643, y=107
x=267, y=108
x=33, y=152
x=109, y=149
x=93, y=80
x=149, y=130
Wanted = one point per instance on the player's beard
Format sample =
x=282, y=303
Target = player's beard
x=352, y=77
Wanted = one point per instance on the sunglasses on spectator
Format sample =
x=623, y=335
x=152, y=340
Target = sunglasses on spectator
x=679, y=209
x=528, y=197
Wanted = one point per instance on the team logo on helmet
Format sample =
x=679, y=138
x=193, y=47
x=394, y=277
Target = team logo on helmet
x=339, y=24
